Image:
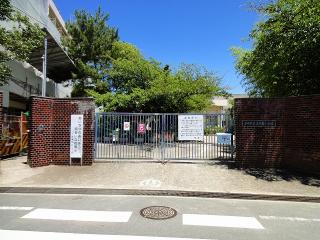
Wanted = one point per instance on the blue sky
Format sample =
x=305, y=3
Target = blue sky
x=179, y=31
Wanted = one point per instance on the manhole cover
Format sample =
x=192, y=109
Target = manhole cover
x=158, y=212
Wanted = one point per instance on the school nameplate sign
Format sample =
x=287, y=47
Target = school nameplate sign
x=76, y=136
x=259, y=123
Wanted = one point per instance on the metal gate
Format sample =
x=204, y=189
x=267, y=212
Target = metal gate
x=158, y=136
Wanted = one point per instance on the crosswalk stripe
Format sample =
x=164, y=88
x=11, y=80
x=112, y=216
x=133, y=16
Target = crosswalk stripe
x=299, y=219
x=32, y=235
x=221, y=221
x=79, y=215
x=15, y=208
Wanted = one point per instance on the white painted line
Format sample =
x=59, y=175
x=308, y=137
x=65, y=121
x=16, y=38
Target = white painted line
x=79, y=215
x=30, y=235
x=150, y=183
x=15, y=208
x=299, y=219
x=221, y=221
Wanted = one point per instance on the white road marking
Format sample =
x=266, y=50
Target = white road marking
x=31, y=235
x=299, y=219
x=221, y=221
x=150, y=183
x=15, y=208
x=79, y=215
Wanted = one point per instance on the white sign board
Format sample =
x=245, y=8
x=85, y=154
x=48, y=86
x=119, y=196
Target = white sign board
x=224, y=138
x=76, y=136
x=126, y=126
x=190, y=127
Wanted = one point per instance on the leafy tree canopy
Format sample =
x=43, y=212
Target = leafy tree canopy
x=89, y=45
x=18, y=37
x=285, y=58
x=141, y=85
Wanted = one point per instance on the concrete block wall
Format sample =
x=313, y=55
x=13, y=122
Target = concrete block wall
x=294, y=143
x=50, y=130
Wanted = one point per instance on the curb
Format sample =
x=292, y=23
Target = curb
x=164, y=193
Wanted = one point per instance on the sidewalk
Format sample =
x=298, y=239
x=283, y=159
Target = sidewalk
x=157, y=176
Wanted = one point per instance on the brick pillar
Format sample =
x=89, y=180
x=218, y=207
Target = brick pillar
x=293, y=143
x=50, y=130
x=1, y=112
x=259, y=146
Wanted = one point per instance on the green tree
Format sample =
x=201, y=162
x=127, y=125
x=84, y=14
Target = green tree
x=141, y=85
x=284, y=60
x=18, y=38
x=89, y=45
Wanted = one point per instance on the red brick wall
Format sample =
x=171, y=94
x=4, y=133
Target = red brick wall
x=40, y=137
x=293, y=143
x=302, y=145
x=50, y=130
x=259, y=146
x=1, y=112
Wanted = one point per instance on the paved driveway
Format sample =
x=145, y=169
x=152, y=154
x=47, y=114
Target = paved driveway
x=156, y=176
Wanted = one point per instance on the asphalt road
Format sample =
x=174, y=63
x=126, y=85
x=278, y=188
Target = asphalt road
x=95, y=217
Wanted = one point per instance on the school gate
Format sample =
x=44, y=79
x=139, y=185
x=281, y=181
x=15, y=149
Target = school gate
x=158, y=136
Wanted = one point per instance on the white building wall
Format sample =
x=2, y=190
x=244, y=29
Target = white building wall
x=26, y=80
x=63, y=91
x=224, y=102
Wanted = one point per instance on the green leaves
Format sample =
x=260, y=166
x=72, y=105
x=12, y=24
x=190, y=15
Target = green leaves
x=141, y=85
x=120, y=79
x=17, y=41
x=284, y=60
x=89, y=45
x=5, y=10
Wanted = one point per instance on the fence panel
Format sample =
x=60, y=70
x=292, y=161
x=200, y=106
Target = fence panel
x=162, y=136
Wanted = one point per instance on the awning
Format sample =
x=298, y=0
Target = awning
x=59, y=65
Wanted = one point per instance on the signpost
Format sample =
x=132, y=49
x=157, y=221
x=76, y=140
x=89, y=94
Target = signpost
x=190, y=127
x=76, y=137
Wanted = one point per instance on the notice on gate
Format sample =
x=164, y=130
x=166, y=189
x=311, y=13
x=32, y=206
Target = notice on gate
x=190, y=127
x=141, y=128
x=76, y=136
x=224, y=138
x=126, y=126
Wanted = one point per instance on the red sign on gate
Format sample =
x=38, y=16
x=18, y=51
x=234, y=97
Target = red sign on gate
x=141, y=128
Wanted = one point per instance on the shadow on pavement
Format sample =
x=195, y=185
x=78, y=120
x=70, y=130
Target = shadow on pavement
x=272, y=175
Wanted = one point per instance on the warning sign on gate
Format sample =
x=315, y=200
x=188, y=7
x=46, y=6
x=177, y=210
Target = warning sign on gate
x=126, y=126
x=141, y=128
x=190, y=127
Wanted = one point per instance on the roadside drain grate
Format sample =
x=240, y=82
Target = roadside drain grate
x=158, y=212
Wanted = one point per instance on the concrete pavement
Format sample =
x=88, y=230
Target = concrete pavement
x=156, y=176
x=60, y=217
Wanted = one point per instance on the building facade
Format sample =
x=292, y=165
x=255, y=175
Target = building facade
x=222, y=104
x=27, y=77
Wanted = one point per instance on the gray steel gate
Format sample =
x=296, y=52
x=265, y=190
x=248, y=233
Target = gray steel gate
x=155, y=136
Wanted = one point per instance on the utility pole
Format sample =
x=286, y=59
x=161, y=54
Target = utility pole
x=44, y=69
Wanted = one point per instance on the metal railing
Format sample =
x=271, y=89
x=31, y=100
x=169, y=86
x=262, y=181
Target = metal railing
x=156, y=136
